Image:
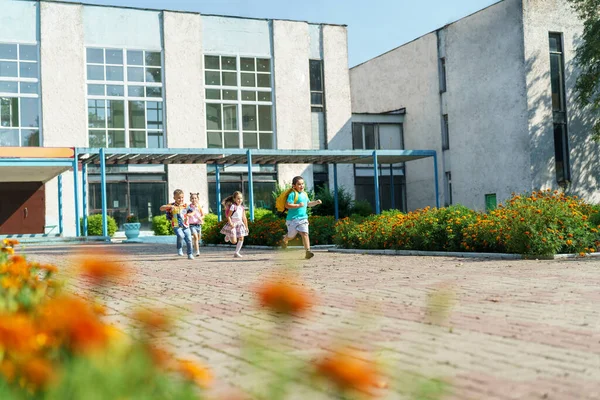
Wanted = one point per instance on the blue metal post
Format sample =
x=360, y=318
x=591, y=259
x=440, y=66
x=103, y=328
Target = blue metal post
x=335, y=193
x=76, y=191
x=250, y=185
x=376, y=180
x=60, y=205
x=393, y=203
x=435, y=175
x=103, y=192
x=85, y=198
x=218, y=181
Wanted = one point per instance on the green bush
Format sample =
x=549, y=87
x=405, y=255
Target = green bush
x=362, y=208
x=345, y=202
x=260, y=213
x=95, y=225
x=161, y=226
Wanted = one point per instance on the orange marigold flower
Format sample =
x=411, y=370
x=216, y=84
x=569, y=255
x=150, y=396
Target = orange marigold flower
x=8, y=250
x=161, y=357
x=8, y=370
x=284, y=297
x=100, y=269
x=200, y=375
x=350, y=370
x=582, y=254
x=152, y=319
x=48, y=268
x=10, y=242
x=17, y=333
x=569, y=242
x=38, y=372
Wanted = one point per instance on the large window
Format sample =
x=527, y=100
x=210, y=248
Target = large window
x=239, y=104
x=19, y=95
x=125, y=98
x=559, y=110
x=316, y=85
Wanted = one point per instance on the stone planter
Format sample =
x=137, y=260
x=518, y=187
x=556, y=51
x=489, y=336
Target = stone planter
x=132, y=229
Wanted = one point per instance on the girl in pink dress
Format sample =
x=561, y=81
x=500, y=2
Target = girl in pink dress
x=237, y=225
x=195, y=216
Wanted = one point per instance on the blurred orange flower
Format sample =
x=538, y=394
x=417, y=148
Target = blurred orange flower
x=152, y=319
x=284, y=296
x=200, y=375
x=17, y=333
x=10, y=242
x=98, y=268
x=38, y=372
x=350, y=370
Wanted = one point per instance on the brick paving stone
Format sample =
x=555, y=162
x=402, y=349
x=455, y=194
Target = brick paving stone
x=526, y=329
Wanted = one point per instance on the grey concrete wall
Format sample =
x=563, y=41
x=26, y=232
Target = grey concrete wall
x=184, y=99
x=540, y=18
x=291, y=45
x=486, y=107
x=338, y=107
x=406, y=77
x=64, y=118
x=230, y=36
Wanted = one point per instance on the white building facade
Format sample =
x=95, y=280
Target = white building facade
x=493, y=94
x=75, y=75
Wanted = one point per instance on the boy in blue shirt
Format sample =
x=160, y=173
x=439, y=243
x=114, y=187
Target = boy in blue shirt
x=297, y=217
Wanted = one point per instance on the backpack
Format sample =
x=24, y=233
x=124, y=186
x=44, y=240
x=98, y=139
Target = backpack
x=282, y=200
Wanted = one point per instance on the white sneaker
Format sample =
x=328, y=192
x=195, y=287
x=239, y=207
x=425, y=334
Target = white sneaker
x=190, y=257
x=198, y=254
x=180, y=253
x=237, y=255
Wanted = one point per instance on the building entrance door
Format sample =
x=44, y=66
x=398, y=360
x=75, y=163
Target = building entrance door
x=22, y=208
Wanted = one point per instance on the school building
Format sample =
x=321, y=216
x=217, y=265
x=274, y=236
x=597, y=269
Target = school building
x=493, y=94
x=86, y=76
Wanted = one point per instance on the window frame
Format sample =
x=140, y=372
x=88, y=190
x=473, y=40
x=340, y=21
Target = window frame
x=315, y=107
x=445, y=132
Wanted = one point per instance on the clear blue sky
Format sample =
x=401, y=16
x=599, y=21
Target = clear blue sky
x=373, y=27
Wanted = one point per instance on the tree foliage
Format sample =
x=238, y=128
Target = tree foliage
x=588, y=60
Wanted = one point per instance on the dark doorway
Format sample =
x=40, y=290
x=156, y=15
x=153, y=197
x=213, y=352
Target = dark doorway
x=22, y=208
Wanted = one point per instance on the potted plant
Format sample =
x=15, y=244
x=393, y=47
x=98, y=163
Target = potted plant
x=132, y=227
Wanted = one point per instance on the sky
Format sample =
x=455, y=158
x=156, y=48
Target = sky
x=373, y=27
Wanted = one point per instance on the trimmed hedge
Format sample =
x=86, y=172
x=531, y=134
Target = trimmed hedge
x=95, y=225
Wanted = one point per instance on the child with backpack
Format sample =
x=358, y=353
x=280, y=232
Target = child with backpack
x=237, y=225
x=297, y=203
x=195, y=216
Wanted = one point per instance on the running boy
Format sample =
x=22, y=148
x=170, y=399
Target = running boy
x=177, y=214
x=297, y=217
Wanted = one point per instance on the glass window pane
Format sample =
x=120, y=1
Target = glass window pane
x=555, y=43
x=214, y=140
x=95, y=56
x=231, y=140
x=316, y=82
x=154, y=75
x=555, y=81
x=155, y=140
x=114, y=73
x=30, y=112
x=249, y=117
x=28, y=52
x=8, y=51
x=357, y=139
x=93, y=90
x=250, y=140
x=263, y=80
x=137, y=139
x=247, y=64
x=229, y=79
x=28, y=70
x=115, y=90
x=370, y=137
x=8, y=69
x=137, y=115
x=213, y=94
x=9, y=111
x=116, y=114
x=153, y=58
x=154, y=112
x=30, y=87
x=248, y=80
x=263, y=65
x=95, y=72
x=229, y=94
x=116, y=138
x=212, y=78
x=135, y=91
x=264, y=96
x=96, y=114
x=30, y=138
x=316, y=98
x=9, y=137
x=152, y=91
x=228, y=63
x=266, y=140
x=211, y=62
x=264, y=118
x=230, y=117
x=135, y=74
x=135, y=57
x=248, y=96
x=213, y=117
x=114, y=56
x=97, y=139
x=9, y=87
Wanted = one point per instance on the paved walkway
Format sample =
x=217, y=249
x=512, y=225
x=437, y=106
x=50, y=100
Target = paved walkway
x=517, y=330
